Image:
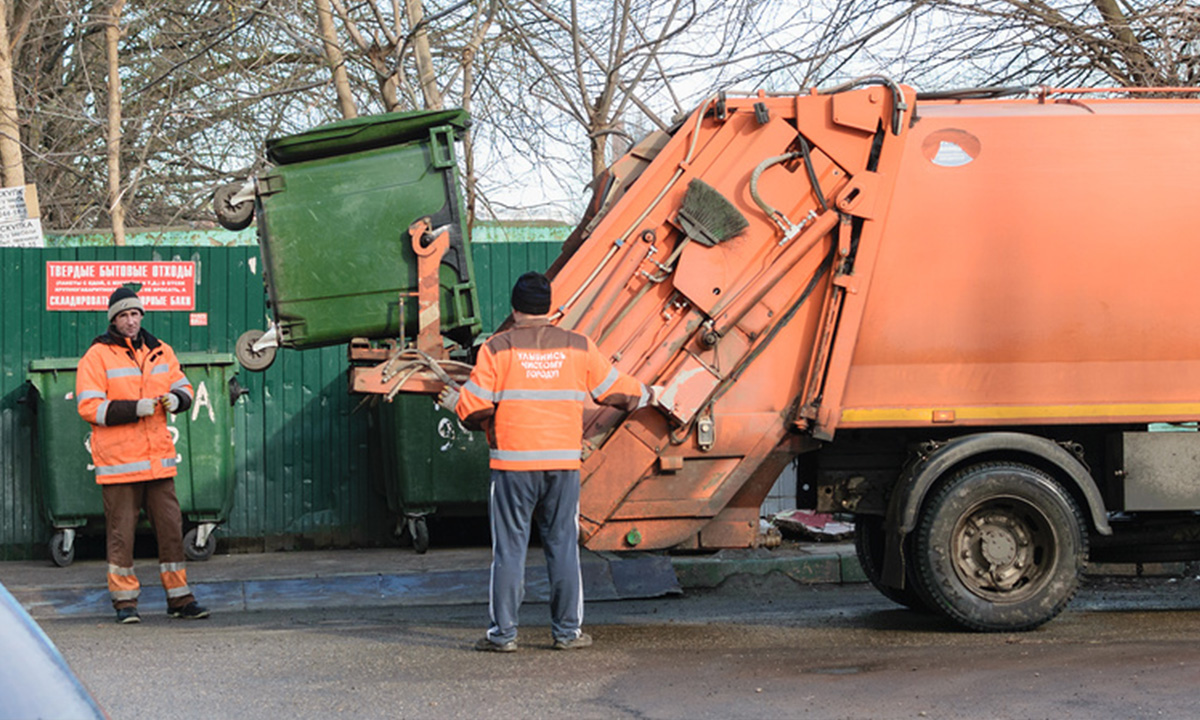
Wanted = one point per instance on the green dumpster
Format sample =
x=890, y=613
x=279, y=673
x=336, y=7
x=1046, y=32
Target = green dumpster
x=203, y=438
x=333, y=218
x=430, y=463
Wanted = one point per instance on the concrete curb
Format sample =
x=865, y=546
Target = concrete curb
x=390, y=577
x=305, y=580
x=834, y=563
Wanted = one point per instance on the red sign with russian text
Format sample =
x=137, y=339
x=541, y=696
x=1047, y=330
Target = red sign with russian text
x=87, y=285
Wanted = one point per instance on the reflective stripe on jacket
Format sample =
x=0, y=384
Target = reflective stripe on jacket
x=528, y=389
x=113, y=375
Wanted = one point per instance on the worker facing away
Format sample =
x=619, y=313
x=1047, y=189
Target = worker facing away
x=527, y=392
x=126, y=384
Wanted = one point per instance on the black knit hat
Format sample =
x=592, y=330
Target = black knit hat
x=531, y=294
x=121, y=300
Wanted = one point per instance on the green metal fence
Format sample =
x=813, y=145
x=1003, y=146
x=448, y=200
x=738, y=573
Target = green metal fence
x=303, y=477
x=498, y=265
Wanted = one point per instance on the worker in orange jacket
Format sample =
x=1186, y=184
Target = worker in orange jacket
x=126, y=384
x=527, y=392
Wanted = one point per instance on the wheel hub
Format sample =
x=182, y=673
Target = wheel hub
x=996, y=550
x=998, y=546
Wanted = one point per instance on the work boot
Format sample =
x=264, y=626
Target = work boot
x=128, y=616
x=191, y=611
x=584, y=640
x=485, y=644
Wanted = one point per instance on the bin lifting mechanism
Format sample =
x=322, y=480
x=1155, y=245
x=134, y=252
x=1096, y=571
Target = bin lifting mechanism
x=425, y=367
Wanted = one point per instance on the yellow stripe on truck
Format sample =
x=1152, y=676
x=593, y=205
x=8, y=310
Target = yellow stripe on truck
x=940, y=415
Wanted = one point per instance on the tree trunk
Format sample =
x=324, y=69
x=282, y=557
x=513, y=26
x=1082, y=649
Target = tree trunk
x=333, y=53
x=599, y=152
x=482, y=23
x=469, y=143
x=12, y=164
x=116, y=210
x=1139, y=69
x=425, y=73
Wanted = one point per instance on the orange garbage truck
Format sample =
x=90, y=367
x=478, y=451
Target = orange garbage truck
x=972, y=316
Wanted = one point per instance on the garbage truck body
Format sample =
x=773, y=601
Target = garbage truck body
x=970, y=320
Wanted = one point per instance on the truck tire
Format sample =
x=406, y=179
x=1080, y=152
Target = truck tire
x=869, y=546
x=1000, y=547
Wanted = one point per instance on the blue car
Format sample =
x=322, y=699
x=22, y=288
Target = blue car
x=35, y=681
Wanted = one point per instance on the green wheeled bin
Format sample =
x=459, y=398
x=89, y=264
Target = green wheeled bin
x=333, y=217
x=203, y=438
x=430, y=463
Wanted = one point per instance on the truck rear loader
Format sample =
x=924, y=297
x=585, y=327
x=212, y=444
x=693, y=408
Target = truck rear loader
x=972, y=318
x=969, y=316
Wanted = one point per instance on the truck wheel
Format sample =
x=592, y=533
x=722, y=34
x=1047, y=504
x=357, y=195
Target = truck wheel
x=251, y=359
x=1000, y=547
x=869, y=544
x=232, y=217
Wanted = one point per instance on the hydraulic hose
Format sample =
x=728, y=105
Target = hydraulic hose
x=898, y=103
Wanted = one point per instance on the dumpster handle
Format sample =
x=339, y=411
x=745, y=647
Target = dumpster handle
x=441, y=146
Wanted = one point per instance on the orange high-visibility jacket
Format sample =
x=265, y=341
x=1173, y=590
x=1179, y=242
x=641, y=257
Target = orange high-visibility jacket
x=528, y=390
x=113, y=375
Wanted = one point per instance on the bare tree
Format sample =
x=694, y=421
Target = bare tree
x=333, y=54
x=1066, y=42
x=12, y=162
x=586, y=74
x=204, y=84
x=426, y=75
x=557, y=89
x=112, y=36
x=591, y=63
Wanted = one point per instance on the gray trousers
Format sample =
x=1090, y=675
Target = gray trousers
x=551, y=498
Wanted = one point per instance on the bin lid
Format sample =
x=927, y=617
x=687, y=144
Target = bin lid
x=52, y=364
x=185, y=359
x=203, y=358
x=362, y=133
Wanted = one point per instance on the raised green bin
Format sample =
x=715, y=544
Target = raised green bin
x=203, y=438
x=430, y=464
x=333, y=218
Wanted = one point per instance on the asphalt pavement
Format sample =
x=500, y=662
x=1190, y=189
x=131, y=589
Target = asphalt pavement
x=399, y=576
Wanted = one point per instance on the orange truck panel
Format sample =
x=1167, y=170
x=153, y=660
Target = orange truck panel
x=1034, y=271
x=958, y=263
x=726, y=328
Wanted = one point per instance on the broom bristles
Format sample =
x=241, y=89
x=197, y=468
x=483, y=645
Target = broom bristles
x=707, y=216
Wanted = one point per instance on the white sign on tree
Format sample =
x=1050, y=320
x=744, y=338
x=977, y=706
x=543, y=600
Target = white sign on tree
x=18, y=226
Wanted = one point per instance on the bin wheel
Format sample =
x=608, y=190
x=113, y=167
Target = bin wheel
x=232, y=217
x=251, y=359
x=61, y=557
x=418, y=530
x=195, y=552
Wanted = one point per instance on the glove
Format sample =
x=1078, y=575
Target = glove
x=145, y=407
x=448, y=398
x=656, y=395
x=170, y=401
